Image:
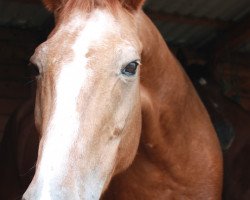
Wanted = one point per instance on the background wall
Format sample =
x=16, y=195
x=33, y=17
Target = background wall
x=16, y=46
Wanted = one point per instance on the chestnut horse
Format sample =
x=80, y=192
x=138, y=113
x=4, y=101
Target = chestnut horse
x=116, y=114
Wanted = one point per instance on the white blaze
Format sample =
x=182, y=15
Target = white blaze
x=63, y=127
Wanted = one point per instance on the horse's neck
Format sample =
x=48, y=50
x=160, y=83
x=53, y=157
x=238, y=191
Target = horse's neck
x=166, y=86
x=161, y=73
x=177, y=135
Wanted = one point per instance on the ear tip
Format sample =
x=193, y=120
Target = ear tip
x=49, y=5
x=133, y=4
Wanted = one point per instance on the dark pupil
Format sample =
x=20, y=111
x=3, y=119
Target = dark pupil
x=130, y=69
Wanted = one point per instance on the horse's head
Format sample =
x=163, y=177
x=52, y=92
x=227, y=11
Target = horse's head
x=88, y=110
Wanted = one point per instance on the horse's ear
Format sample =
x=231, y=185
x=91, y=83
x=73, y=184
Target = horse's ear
x=53, y=5
x=132, y=4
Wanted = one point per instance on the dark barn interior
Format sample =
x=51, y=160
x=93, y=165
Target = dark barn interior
x=211, y=39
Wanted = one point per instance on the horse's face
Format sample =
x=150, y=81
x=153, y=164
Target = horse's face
x=87, y=104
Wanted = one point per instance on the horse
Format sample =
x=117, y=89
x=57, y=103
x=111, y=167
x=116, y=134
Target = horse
x=115, y=115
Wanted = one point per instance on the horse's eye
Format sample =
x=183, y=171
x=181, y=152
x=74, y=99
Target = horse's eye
x=34, y=70
x=130, y=69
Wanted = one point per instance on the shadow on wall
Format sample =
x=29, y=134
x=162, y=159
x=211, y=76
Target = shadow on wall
x=231, y=120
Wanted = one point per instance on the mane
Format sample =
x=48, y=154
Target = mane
x=89, y=5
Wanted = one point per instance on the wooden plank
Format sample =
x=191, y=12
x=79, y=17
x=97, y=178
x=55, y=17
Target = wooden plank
x=20, y=72
x=244, y=101
x=15, y=54
x=3, y=121
x=236, y=59
x=233, y=36
x=190, y=20
x=19, y=36
x=8, y=106
x=233, y=70
x=1, y=135
x=14, y=65
x=28, y=1
x=14, y=89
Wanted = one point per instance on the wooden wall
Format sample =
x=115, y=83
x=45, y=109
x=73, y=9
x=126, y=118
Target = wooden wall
x=16, y=47
x=234, y=78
